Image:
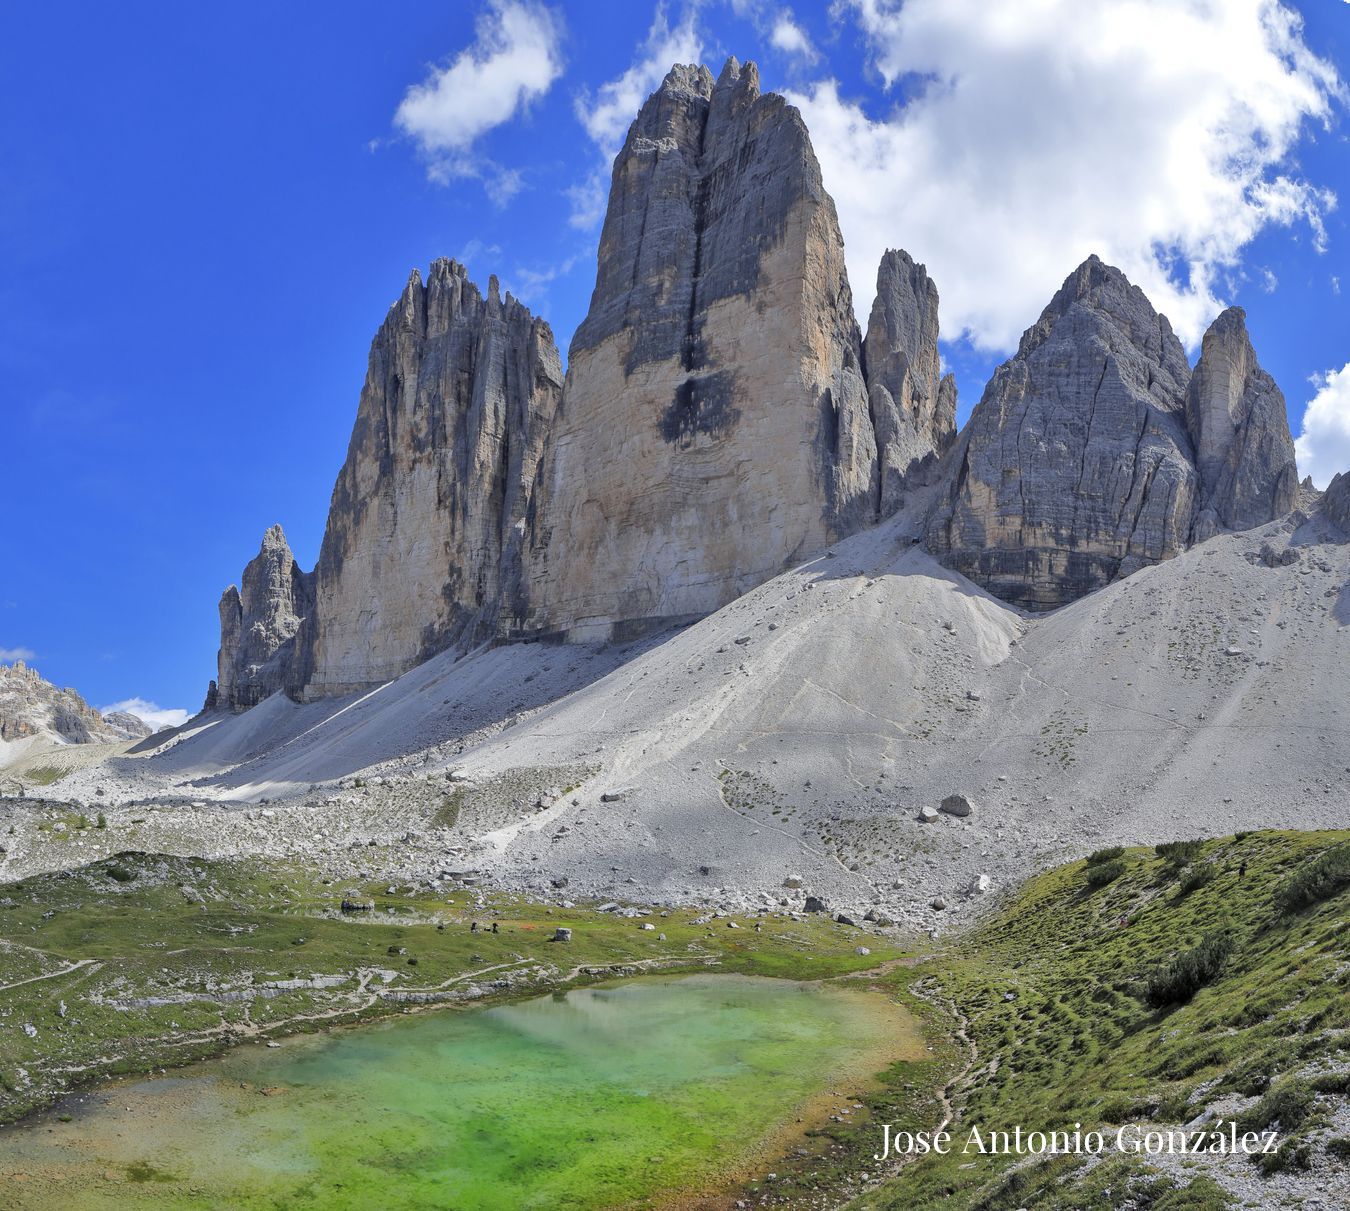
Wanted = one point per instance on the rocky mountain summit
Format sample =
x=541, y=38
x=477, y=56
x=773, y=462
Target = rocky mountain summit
x=258, y=626
x=32, y=709
x=1337, y=501
x=913, y=403
x=715, y=426
x=1237, y=419
x=724, y=418
x=1094, y=451
x=430, y=516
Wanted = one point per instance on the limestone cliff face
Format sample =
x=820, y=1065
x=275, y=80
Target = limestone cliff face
x=1076, y=465
x=715, y=425
x=33, y=709
x=259, y=625
x=913, y=406
x=426, y=530
x=1336, y=501
x=1238, y=423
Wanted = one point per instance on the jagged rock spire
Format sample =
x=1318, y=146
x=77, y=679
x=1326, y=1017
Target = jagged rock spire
x=716, y=426
x=913, y=405
x=1240, y=429
x=1076, y=466
x=258, y=626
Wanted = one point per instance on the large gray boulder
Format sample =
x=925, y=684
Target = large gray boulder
x=258, y=626
x=1076, y=466
x=913, y=404
x=715, y=427
x=1240, y=429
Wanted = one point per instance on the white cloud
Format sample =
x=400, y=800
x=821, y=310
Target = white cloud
x=607, y=113
x=515, y=59
x=789, y=37
x=530, y=284
x=8, y=655
x=1157, y=133
x=1324, y=446
x=149, y=713
x=778, y=24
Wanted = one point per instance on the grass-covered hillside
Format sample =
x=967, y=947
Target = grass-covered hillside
x=1145, y=987
x=1154, y=987
x=140, y=961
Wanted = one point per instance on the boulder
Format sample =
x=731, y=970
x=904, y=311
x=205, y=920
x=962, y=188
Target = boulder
x=927, y=816
x=957, y=805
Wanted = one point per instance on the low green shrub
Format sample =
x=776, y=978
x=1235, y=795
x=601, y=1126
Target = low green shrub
x=1176, y=982
x=1290, y=1104
x=1322, y=878
x=1104, y=872
x=1109, y=854
x=1195, y=877
x=1178, y=853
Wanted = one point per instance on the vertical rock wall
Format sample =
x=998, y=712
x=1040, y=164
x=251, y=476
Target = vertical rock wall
x=715, y=426
x=913, y=405
x=1076, y=465
x=258, y=626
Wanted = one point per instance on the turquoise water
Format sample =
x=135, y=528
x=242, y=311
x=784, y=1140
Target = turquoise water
x=593, y=1098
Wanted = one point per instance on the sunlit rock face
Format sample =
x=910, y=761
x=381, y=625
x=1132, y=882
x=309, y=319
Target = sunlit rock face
x=258, y=626
x=715, y=427
x=427, y=526
x=1238, y=422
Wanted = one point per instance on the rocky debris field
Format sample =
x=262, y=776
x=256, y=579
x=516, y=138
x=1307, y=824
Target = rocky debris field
x=799, y=742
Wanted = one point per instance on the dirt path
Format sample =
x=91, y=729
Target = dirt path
x=51, y=975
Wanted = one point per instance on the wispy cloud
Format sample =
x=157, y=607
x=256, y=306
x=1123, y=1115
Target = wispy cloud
x=515, y=58
x=149, y=713
x=530, y=283
x=779, y=25
x=9, y=655
x=607, y=113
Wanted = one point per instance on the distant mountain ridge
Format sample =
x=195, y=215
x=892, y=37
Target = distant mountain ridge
x=723, y=418
x=33, y=709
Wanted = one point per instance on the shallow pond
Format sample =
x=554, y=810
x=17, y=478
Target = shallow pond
x=593, y=1098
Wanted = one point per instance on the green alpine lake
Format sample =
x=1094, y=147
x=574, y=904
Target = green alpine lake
x=596, y=1097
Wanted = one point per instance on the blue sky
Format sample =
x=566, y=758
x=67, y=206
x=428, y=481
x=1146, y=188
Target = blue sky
x=207, y=209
